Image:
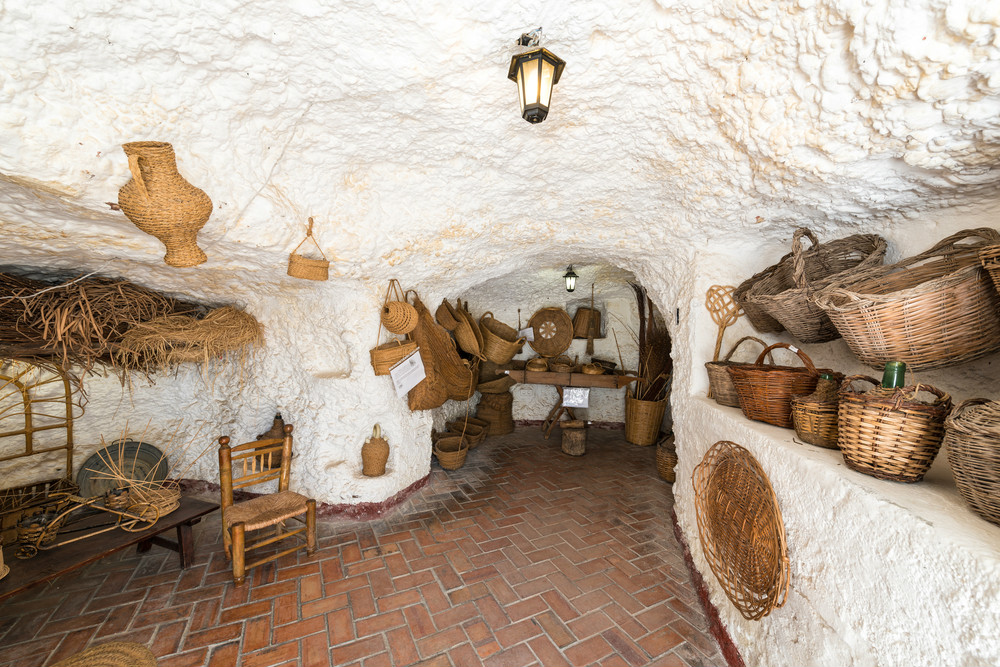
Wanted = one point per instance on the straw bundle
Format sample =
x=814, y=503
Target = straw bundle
x=175, y=339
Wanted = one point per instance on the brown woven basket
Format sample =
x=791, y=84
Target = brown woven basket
x=467, y=333
x=643, y=420
x=758, y=317
x=990, y=258
x=398, y=316
x=473, y=432
x=497, y=411
x=786, y=293
x=562, y=364
x=445, y=316
x=305, y=267
x=935, y=309
x=451, y=450
x=890, y=433
x=592, y=369
x=387, y=355
x=766, y=391
x=500, y=385
x=720, y=383
x=500, y=341
x=815, y=415
x=165, y=496
x=537, y=365
x=972, y=439
x=553, y=331
x=666, y=459
x=741, y=530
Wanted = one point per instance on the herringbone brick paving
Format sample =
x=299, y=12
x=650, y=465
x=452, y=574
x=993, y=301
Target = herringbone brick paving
x=523, y=557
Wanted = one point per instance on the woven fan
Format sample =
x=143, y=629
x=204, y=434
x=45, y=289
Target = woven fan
x=724, y=310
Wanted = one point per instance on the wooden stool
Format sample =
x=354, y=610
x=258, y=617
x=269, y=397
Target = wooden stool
x=574, y=437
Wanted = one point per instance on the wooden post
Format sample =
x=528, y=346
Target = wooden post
x=239, y=559
x=286, y=460
x=310, y=526
x=225, y=488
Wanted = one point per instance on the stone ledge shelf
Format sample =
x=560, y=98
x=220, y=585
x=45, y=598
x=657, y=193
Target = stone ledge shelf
x=881, y=572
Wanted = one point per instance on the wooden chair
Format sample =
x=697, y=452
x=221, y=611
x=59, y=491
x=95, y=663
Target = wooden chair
x=255, y=463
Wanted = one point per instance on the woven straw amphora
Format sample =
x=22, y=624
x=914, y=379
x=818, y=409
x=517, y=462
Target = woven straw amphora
x=161, y=203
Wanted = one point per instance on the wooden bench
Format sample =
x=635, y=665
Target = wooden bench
x=48, y=565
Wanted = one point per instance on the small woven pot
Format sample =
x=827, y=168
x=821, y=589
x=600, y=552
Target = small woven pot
x=561, y=364
x=450, y=450
x=643, y=420
x=972, y=439
x=399, y=317
x=889, y=433
x=666, y=459
x=720, y=383
x=374, y=454
x=592, y=369
x=815, y=415
x=387, y=355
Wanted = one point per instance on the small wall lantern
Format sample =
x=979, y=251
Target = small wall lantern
x=570, y=278
x=535, y=72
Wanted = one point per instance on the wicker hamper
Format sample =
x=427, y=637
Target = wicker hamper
x=972, y=440
x=643, y=420
x=720, y=383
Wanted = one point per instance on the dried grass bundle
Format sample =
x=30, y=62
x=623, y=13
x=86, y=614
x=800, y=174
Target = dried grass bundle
x=174, y=339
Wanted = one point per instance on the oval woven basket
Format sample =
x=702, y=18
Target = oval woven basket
x=972, y=439
x=890, y=434
x=537, y=365
x=445, y=316
x=466, y=332
x=500, y=341
x=398, y=316
x=451, y=450
x=473, y=432
x=766, y=391
x=720, y=383
x=815, y=415
x=592, y=369
x=306, y=267
x=553, y=330
x=561, y=364
x=759, y=318
x=786, y=292
x=500, y=385
x=935, y=309
x=741, y=530
x=387, y=355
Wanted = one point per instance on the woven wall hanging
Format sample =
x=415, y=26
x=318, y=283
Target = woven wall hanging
x=741, y=530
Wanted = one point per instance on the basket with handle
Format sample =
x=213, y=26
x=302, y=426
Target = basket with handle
x=890, y=433
x=786, y=294
x=972, y=440
x=720, y=383
x=398, y=316
x=445, y=316
x=815, y=415
x=451, y=450
x=766, y=391
x=759, y=318
x=666, y=459
x=305, y=267
x=500, y=341
x=934, y=309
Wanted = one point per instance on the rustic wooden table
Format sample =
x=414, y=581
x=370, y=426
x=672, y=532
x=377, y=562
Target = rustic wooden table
x=47, y=565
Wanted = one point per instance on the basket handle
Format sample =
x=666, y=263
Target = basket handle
x=849, y=380
x=133, y=166
x=806, y=361
x=798, y=260
x=962, y=407
x=740, y=341
x=483, y=317
x=309, y=235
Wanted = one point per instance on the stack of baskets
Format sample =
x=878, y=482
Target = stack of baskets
x=475, y=430
x=972, y=438
x=497, y=411
x=720, y=383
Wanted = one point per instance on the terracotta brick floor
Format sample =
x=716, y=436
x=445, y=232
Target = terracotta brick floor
x=523, y=557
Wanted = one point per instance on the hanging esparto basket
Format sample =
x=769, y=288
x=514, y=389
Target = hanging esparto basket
x=398, y=316
x=305, y=267
x=720, y=383
x=741, y=530
x=890, y=433
x=500, y=341
x=934, y=309
x=387, y=355
x=786, y=293
x=972, y=440
x=445, y=316
x=766, y=391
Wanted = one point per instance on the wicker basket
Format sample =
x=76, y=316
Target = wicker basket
x=758, y=317
x=450, y=450
x=50, y=496
x=972, y=440
x=304, y=267
x=467, y=333
x=387, y=355
x=445, y=316
x=643, y=420
x=815, y=415
x=720, y=383
x=592, y=369
x=500, y=341
x=497, y=411
x=890, y=433
x=562, y=364
x=500, y=385
x=165, y=496
x=741, y=530
x=786, y=293
x=473, y=432
x=935, y=309
x=990, y=257
x=666, y=459
x=398, y=316
x=537, y=365
x=766, y=391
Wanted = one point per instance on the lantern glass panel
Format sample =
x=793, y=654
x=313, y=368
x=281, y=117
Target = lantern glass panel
x=546, y=87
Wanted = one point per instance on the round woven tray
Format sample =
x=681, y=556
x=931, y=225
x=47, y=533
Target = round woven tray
x=553, y=331
x=741, y=530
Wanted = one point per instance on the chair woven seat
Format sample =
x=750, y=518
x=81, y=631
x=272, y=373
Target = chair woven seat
x=267, y=510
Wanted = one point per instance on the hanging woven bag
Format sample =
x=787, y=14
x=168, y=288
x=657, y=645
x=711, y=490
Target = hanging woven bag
x=305, y=267
x=398, y=316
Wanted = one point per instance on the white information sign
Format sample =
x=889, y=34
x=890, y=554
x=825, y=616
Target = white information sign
x=407, y=373
x=576, y=397
x=528, y=334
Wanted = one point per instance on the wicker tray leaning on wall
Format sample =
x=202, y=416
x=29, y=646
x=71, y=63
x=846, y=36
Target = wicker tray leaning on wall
x=972, y=440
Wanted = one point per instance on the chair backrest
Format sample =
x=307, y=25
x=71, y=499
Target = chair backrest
x=254, y=463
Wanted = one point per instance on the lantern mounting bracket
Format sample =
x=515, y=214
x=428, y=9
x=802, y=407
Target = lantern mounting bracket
x=530, y=38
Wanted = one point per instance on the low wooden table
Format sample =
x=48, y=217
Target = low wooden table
x=560, y=380
x=47, y=565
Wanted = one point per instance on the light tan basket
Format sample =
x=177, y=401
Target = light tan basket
x=398, y=316
x=305, y=267
x=500, y=341
x=451, y=450
x=387, y=355
x=972, y=439
x=643, y=420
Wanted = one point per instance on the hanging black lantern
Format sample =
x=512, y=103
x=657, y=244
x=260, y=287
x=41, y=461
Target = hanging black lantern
x=535, y=72
x=570, y=278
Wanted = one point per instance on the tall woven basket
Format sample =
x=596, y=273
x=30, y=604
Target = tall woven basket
x=972, y=440
x=666, y=459
x=935, y=309
x=890, y=433
x=786, y=293
x=643, y=420
x=720, y=383
x=766, y=391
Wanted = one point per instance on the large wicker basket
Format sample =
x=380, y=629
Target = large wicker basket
x=935, y=309
x=972, y=440
x=387, y=355
x=786, y=293
x=990, y=257
x=758, y=317
x=890, y=433
x=766, y=391
x=643, y=420
x=720, y=383
x=500, y=341
x=815, y=415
